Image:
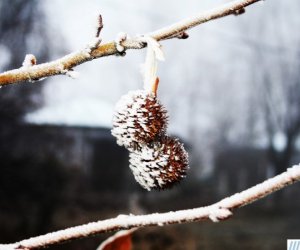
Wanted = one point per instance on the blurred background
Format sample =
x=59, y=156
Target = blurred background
x=233, y=95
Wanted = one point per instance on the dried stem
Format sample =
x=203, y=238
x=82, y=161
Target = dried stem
x=217, y=212
x=60, y=66
x=155, y=86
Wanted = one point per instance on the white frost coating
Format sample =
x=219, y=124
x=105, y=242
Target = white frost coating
x=294, y=171
x=152, y=165
x=216, y=214
x=122, y=216
x=131, y=121
x=261, y=190
x=121, y=37
x=73, y=74
x=60, y=67
x=154, y=53
x=70, y=73
x=156, y=47
x=94, y=43
x=146, y=166
x=29, y=61
x=123, y=130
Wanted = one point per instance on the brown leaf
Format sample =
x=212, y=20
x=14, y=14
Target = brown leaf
x=119, y=241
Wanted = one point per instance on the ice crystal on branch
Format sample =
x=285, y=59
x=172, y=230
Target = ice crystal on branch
x=29, y=61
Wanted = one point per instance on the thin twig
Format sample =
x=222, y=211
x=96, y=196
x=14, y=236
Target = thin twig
x=217, y=212
x=99, y=26
x=60, y=66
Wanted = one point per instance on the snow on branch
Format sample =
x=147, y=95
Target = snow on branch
x=217, y=212
x=96, y=50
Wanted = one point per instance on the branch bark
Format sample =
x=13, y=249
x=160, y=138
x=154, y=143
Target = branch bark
x=217, y=212
x=67, y=63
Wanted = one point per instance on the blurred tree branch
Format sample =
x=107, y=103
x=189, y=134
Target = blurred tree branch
x=217, y=212
x=95, y=50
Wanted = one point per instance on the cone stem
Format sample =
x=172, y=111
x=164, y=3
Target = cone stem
x=155, y=86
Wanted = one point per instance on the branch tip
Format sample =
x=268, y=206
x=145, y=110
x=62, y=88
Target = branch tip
x=183, y=35
x=99, y=25
x=239, y=11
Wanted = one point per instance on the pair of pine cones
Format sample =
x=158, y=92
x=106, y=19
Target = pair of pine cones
x=140, y=122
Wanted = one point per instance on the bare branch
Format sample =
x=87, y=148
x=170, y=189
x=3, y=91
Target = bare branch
x=217, y=212
x=38, y=72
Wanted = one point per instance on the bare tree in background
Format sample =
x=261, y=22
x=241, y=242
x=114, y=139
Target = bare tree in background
x=282, y=120
x=22, y=30
x=277, y=71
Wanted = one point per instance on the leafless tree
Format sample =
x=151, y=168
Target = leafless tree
x=22, y=29
x=276, y=77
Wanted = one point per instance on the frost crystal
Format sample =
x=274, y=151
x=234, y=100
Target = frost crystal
x=121, y=37
x=73, y=74
x=139, y=118
x=94, y=44
x=159, y=165
x=29, y=61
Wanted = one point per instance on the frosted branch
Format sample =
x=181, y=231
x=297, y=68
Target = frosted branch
x=40, y=71
x=120, y=39
x=217, y=212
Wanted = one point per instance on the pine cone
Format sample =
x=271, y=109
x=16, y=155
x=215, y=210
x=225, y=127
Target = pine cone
x=139, y=118
x=160, y=164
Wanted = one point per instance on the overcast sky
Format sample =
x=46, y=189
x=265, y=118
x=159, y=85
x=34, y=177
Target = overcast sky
x=204, y=83
x=210, y=83
x=89, y=100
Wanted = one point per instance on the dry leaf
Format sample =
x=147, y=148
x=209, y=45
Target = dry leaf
x=119, y=241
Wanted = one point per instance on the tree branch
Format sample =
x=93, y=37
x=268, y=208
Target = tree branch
x=217, y=212
x=67, y=63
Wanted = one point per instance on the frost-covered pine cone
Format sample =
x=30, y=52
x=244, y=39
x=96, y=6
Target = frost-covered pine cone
x=160, y=164
x=139, y=118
